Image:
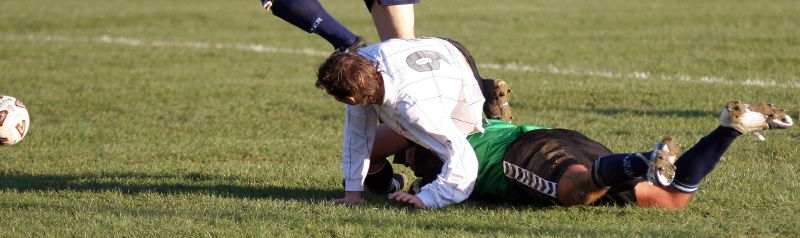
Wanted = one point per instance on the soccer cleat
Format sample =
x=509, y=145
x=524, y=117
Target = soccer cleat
x=747, y=118
x=360, y=43
x=779, y=120
x=415, y=187
x=496, y=94
x=662, y=161
x=399, y=182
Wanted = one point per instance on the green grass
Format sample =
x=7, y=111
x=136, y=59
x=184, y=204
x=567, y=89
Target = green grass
x=158, y=119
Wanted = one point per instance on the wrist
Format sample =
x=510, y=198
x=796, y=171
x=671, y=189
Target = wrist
x=352, y=194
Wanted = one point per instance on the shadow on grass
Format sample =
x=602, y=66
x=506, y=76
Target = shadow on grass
x=668, y=113
x=135, y=183
x=195, y=183
x=626, y=111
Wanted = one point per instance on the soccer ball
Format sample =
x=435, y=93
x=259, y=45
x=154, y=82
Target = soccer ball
x=14, y=120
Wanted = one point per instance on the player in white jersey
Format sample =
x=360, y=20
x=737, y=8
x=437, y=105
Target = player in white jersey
x=425, y=93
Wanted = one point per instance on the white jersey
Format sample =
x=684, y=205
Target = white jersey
x=431, y=98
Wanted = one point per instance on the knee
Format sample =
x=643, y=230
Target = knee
x=376, y=164
x=575, y=188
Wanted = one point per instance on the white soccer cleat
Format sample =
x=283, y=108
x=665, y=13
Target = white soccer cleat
x=747, y=118
x=780, y=120
x=662, y=161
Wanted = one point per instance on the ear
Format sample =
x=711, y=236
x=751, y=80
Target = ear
x=350, y=100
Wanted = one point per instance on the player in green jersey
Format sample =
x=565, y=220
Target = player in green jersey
x=563, y=167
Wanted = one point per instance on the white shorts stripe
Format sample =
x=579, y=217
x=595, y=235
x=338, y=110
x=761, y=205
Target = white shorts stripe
x=529, y=179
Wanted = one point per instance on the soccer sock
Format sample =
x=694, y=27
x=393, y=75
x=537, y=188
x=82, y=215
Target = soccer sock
x=616, y=169
x=380, y=181
x=310, y=16
x=697, y=162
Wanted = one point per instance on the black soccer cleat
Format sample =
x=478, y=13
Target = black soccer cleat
x=360, y=43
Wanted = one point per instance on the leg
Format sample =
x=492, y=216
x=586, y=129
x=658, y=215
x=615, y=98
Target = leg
x=576, y=187
x=393, y=18
x=396, y=21
x=551, y=167
x=387, y=142
x=694, y=165
x=581, y=186
x=381, y=177
x=310, y=16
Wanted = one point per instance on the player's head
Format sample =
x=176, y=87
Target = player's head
x=350, y=78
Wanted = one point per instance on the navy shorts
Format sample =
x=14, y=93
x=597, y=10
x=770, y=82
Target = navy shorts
x=389, y=2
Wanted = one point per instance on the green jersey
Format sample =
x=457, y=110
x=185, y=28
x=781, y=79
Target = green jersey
x=490, y=147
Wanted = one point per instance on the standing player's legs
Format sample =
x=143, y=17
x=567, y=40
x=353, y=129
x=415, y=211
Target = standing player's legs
x=310, y=16
x=694, y=165
x=393, y=18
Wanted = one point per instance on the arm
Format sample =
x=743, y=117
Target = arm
x=457, y=179
x=359, y=131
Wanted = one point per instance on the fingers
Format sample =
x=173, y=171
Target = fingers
x=407, y=198
x=397, y=196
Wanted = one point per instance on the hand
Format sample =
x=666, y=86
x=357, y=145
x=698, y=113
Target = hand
x=407, y=198
x=350, y=198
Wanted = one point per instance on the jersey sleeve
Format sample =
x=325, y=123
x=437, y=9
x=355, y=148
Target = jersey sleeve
x=460, y=170
x=359, y=133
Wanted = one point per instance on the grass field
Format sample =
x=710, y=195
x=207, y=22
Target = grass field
x=187, y=119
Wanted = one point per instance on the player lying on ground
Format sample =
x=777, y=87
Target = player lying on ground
x=392, y=18
x=563, y=167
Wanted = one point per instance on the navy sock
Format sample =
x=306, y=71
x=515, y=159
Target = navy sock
x=700, y=160
x=380, y=181
x=616, y=169
x=310, y=16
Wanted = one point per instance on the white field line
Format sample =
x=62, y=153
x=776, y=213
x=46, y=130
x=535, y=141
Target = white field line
x=507, y=67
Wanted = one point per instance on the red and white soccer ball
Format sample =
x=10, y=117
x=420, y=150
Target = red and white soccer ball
x=14, y=120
